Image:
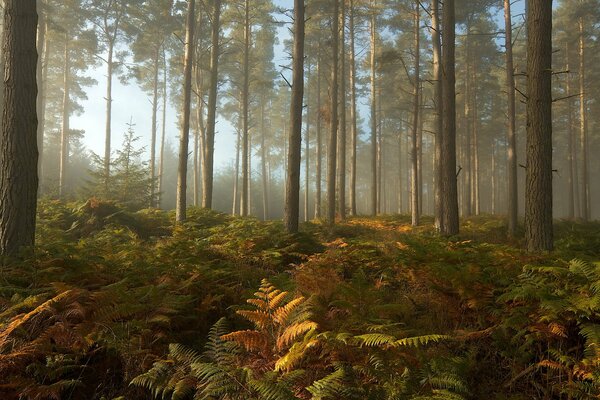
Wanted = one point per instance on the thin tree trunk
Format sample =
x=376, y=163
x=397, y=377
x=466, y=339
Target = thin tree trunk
x=66, y=112
x=181, y=205
x=209, y=148
x=155, y=99
x=307, y=154
x=353, y=112
x=570, y=145
x=467, y=156
x=475, y=136
x=538, y=199
x=333, y=126
x=263, y=161
x=513, y=190
x=414, y=189
x=373, y=113
x=292, y=195
x=439, y=117
x=108, y=130
x=42, y=71
x=245, y=112
x=341, y=167
x=319, y=155
x=450, y=195
x=235, y=207
x=585, y=179
x=161, y=167
x=493, y=176
x=19, y=155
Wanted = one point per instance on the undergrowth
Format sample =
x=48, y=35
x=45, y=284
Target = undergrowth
x=119, y=304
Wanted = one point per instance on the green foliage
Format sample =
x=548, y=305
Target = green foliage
x=370, y=310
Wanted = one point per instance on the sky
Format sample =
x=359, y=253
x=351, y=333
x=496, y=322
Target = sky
x=130, y=103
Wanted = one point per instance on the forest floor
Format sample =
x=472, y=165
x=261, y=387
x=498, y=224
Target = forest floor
x=116, y=304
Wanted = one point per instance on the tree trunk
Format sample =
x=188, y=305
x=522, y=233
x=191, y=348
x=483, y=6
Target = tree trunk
x=263, y=161
x=66, y=112
x=108, y=131
x=353, y=112
x=181, y=205
x=341, y=166
x=19, y=156
x=292, y=194
x=245, y=112
x=450, y=194
x=585, y=179
x=333, y=109
x=439, y=129
x=467, y=156
x=571, y=188
x=414, y=151
x=373, y=114
x=538, y=199
x=307, y=154
x=209, y=148
x=161, y=168
x=319, y=155
x=513, y=190
x=42, y=71
x=155, y=98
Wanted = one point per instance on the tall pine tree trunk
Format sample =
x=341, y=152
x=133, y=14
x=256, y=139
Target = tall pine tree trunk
x=161, y=167
x=439, y=115
x=181, y=204
x=373, y=113
x=263, y=160
x=571, y=188
x=450, y=194
x=538, y=199
x=292, y=195
x=18, y=141
x=245, y=113
x=319, y=155
x=65, y=129
x=513, y=196
x=353, y=112
x=108, y=130
x=333, y=109
x=42, y=71
x=155, y=98
x=414, y=152
x=209, y=148
x=307, y=154
x=585, y=179
x=341, y=167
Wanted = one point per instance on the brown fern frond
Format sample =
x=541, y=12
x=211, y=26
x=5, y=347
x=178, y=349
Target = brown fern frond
x=282, y=314
x=292, y=332
x=261, y=319
x=250, y=340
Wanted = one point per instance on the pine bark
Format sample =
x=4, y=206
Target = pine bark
x=585, y=178
x=65, y=129
x=154, y=129
x=353, y=112
x=181, y=201
x=42, y=71
x=245, y=113
x=450, y=192
x=18, y=141
x=342, y=137
x=439, y=115
x=333, y=108
x=292, y=195
x=161, y=167
x=209, y=148
x=373, y=113
x=538, y=199
x=319, y=155
x=513, y=191
x=415, y=127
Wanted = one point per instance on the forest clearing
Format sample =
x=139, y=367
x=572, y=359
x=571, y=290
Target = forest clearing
x=311, y=199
